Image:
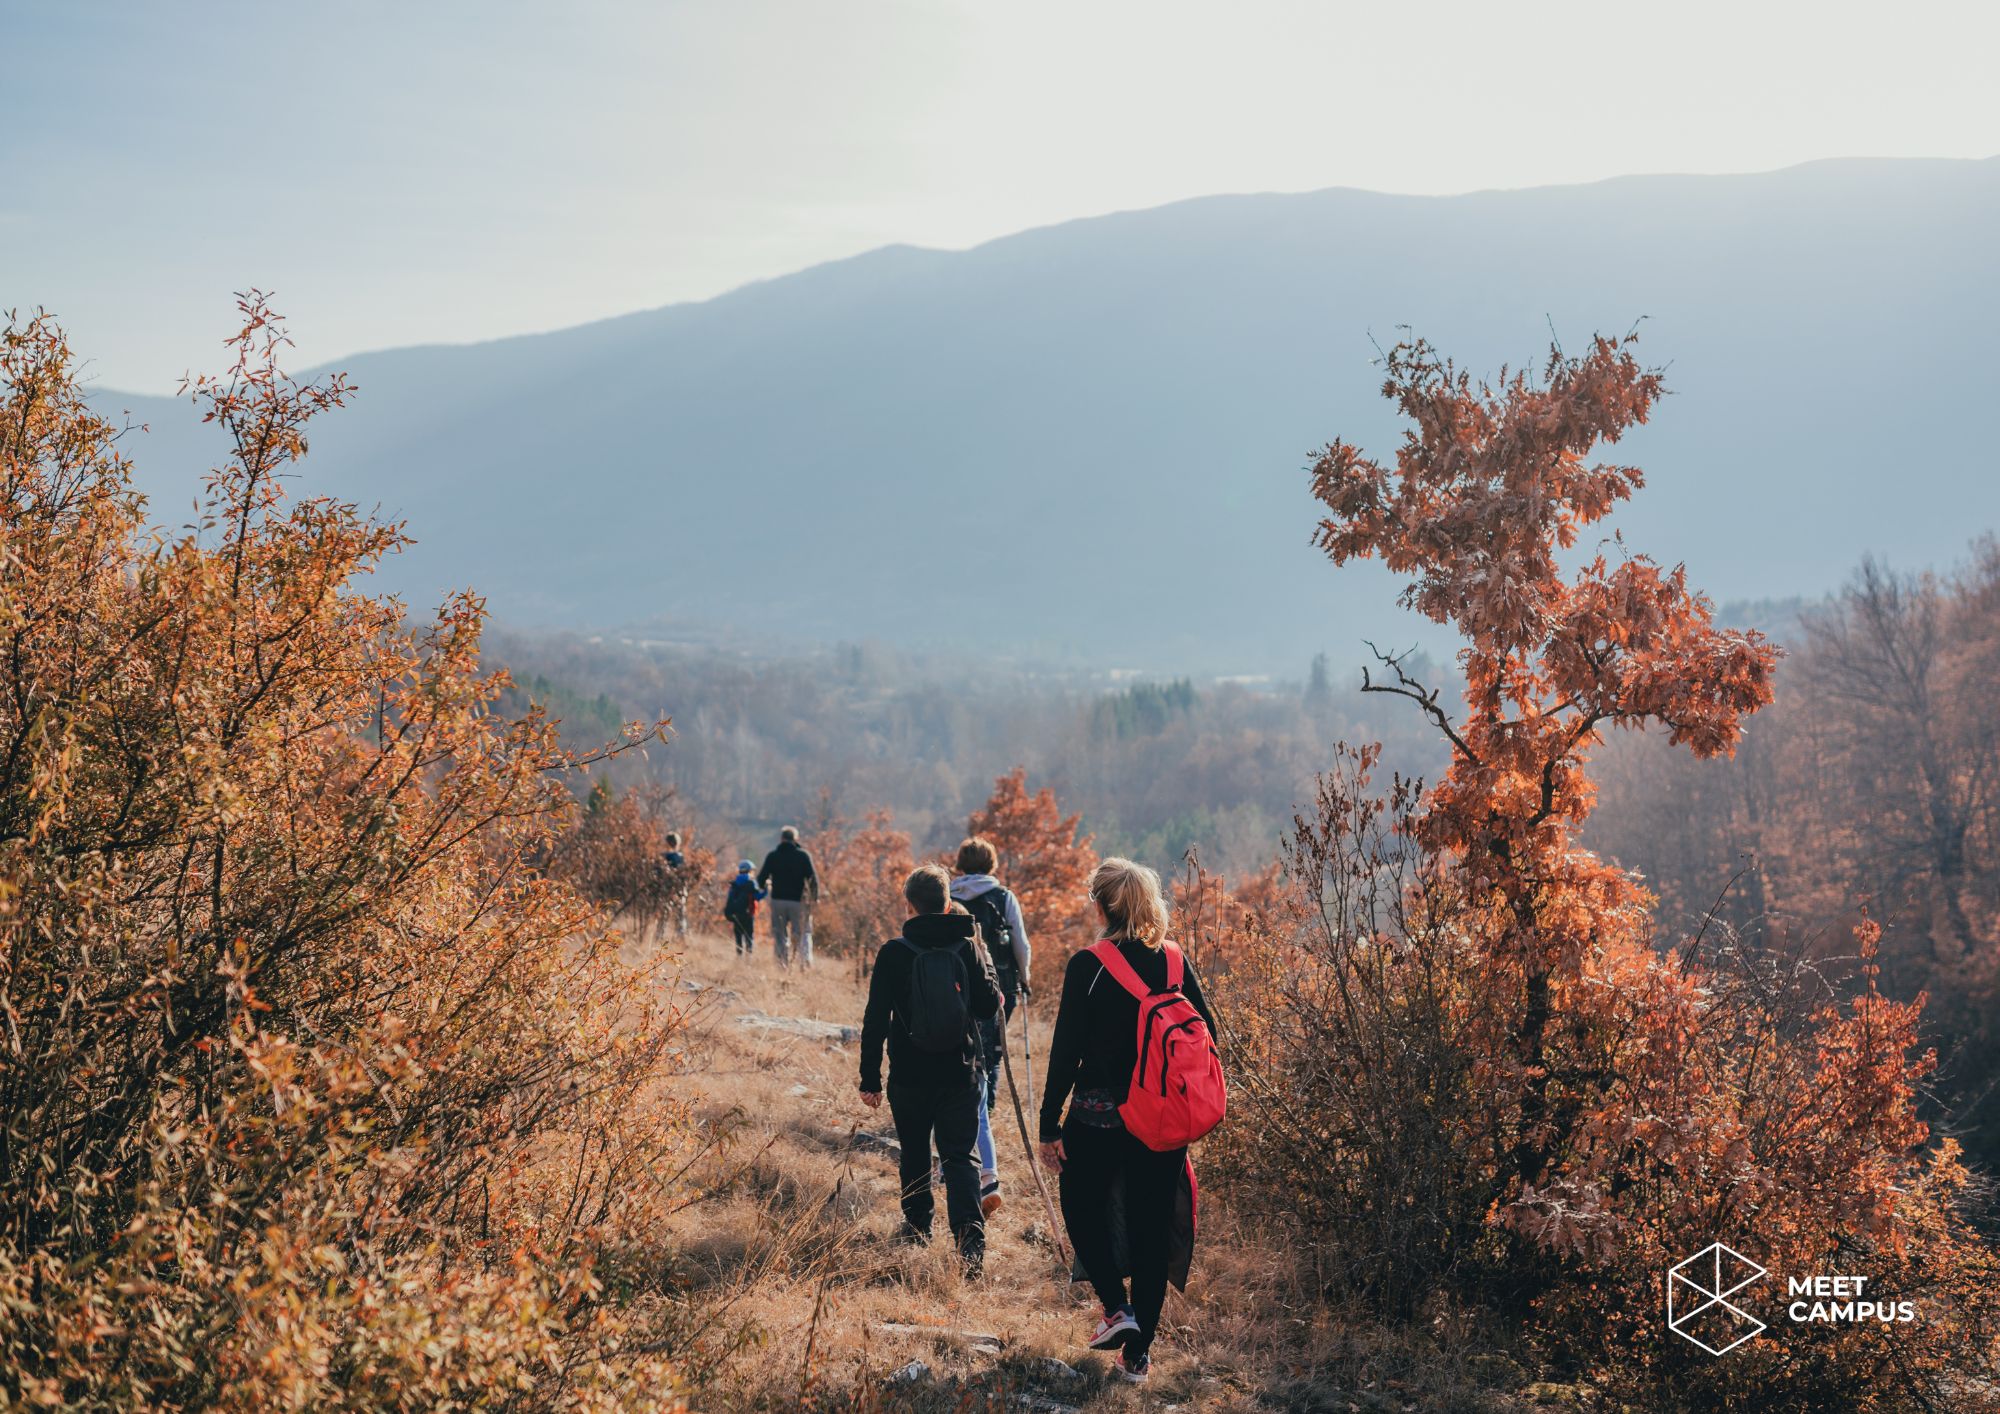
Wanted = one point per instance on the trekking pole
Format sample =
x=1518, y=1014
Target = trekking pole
x=1027, y=1044
x=1034, y=1168
x=1028, y=1058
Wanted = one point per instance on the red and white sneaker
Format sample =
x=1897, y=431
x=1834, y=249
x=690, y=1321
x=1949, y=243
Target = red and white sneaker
x=1133, y=1367
x=1115, y=1329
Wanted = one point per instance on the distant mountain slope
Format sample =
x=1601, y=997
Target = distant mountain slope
x=1086, y=440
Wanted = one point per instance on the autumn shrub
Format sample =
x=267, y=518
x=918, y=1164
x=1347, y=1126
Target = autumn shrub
x=1470, y=1065
x=862, y=866
x=1218, y=922
x=615, y=856
x=1870, y=777
x=314, y=1094
x=1349, y=1029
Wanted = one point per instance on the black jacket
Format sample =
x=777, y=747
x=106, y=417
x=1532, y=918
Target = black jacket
x=888, y=995
x=788, y=869
x=1097, y=1027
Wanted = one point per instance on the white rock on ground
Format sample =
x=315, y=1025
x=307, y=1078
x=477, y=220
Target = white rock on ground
x=798, y=1026
x=1052, y=1369
x=970, y=1337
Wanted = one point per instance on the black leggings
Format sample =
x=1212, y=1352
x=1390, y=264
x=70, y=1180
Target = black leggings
x=746, y=932
x=1093, y=1159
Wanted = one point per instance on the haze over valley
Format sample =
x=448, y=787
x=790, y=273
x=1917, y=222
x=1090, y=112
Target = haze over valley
x=987, y=448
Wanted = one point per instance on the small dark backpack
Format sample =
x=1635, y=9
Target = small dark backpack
x=939, y=1015
x=990, y=911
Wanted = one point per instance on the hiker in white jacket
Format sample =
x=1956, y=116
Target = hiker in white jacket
x=998, y=913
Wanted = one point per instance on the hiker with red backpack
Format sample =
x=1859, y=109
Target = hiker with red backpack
x=931, y=988
x=1134, y=1055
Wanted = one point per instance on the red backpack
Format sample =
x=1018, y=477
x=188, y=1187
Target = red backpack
x=1177, y=1092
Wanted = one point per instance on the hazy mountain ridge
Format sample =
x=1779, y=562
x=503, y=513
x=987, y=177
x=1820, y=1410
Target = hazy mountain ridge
x=1093, y=433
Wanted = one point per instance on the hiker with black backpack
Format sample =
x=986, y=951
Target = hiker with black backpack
x=1005, y=933
x=931, y=987
x=1134, y=1055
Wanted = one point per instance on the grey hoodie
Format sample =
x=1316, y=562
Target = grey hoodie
x=970, y=886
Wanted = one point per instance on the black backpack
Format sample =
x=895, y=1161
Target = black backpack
x=939, y=1015
x=989, y=910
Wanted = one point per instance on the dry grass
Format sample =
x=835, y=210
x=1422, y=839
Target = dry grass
x=796, y=1295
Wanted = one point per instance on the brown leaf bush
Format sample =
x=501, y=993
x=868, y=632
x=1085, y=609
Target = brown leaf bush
x=615, y=856
x=314, y=1094
x=862, y=865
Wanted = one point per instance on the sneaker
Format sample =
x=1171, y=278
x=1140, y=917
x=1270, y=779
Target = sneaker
x=1115, y=1329
x=1133, y=1368
x=908, y=1236
x=989, y=1199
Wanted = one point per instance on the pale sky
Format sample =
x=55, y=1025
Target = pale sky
x=444, y=172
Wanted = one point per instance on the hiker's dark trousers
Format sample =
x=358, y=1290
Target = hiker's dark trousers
x=1093, y=1159
x=746, y=932
x=950, y=1116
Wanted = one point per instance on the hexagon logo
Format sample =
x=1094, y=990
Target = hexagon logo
x=1699, y=1308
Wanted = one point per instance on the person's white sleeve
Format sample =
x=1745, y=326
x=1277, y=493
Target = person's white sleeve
x=1019, y=930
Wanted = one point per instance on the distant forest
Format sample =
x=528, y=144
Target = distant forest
x=1154, y=767
x=1872, y=781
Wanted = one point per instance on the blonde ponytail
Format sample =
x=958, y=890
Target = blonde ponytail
x=1131, y=899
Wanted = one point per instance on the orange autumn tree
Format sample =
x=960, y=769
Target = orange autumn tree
x=862, y=868
x=1489, y=487
x=1045, y=859
x=1474, y=1064
x=317, y=1094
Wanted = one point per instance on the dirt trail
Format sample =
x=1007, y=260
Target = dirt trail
x=797, y=1234
x=801, y=1298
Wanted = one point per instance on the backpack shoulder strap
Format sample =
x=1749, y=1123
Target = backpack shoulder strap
x=1176, y=968
x=961, y=952
x=994, y=899
x=1112, y=961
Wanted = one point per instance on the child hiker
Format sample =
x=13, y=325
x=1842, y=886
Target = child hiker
x=740, y=908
